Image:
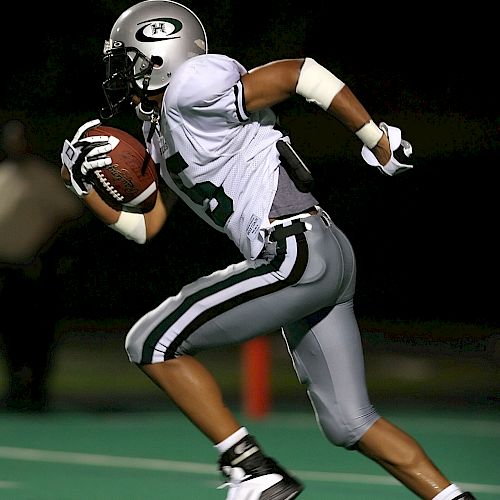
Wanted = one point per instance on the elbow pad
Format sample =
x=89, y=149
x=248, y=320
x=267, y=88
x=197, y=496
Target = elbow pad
x=317, y=84
x=132, y=226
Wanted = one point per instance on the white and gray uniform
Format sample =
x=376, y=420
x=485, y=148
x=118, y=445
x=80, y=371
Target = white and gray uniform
x=299, y=271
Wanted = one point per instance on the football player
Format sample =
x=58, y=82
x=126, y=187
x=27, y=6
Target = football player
x=208, y=122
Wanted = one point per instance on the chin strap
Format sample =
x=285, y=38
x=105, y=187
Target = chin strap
x=147, y=110
x=154, y=121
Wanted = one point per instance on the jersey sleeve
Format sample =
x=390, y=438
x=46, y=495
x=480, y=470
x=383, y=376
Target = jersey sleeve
x=208, y=89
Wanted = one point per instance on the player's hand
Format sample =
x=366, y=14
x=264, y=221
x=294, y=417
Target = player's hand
x=401, y=150
x=83, y=154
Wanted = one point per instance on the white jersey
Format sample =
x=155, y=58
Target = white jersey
x=220, y=160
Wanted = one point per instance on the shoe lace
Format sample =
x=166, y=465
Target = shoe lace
x=234, y=475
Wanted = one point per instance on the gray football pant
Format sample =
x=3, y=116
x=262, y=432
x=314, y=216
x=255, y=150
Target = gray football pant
x=305, y=286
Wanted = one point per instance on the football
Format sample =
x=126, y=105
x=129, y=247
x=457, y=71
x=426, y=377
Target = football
x=130, y=183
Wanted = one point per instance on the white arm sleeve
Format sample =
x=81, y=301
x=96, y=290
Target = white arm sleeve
x=132, y=226
x=317, y=84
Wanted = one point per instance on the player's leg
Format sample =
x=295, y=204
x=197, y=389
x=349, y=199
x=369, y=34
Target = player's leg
x=197, y=394
x=405, y=459
x=250, y=473
x=227, y=307
x=329, y=360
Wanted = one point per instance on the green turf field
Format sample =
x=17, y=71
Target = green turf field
x=152, y=456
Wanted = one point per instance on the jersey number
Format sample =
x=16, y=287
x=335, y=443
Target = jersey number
x=202, y=193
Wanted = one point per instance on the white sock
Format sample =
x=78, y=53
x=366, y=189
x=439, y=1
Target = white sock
x=231, y=440
x=449, y=493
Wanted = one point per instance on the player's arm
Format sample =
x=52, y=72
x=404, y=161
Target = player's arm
x=274, y=82
x=83, y=154
x=138, y=227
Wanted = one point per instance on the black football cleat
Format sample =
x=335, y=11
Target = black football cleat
x=250, y=475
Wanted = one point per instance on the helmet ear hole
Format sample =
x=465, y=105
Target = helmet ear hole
x=157, y=61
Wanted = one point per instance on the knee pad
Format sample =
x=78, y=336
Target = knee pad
x=133, y=353
x=343, y=429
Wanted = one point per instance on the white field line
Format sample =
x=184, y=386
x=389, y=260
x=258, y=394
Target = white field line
x=63, y=457
x=8, y=485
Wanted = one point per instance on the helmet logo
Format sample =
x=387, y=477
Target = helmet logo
x=158, y=29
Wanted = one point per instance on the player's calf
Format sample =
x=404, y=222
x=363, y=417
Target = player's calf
x=250, y=475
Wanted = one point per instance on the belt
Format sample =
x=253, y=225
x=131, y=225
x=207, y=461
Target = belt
x=282, y=232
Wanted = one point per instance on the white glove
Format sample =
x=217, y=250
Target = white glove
x=399, y=147
x=84, y=154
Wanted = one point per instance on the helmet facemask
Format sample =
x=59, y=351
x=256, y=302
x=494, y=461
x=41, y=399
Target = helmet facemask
x=127, y=72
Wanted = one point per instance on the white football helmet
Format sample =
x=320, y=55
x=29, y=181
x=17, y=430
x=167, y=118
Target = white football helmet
x=148, y=42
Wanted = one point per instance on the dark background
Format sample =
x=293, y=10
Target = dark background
x=426, y=241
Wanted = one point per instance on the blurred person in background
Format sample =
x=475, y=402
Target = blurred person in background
x=33, y=207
